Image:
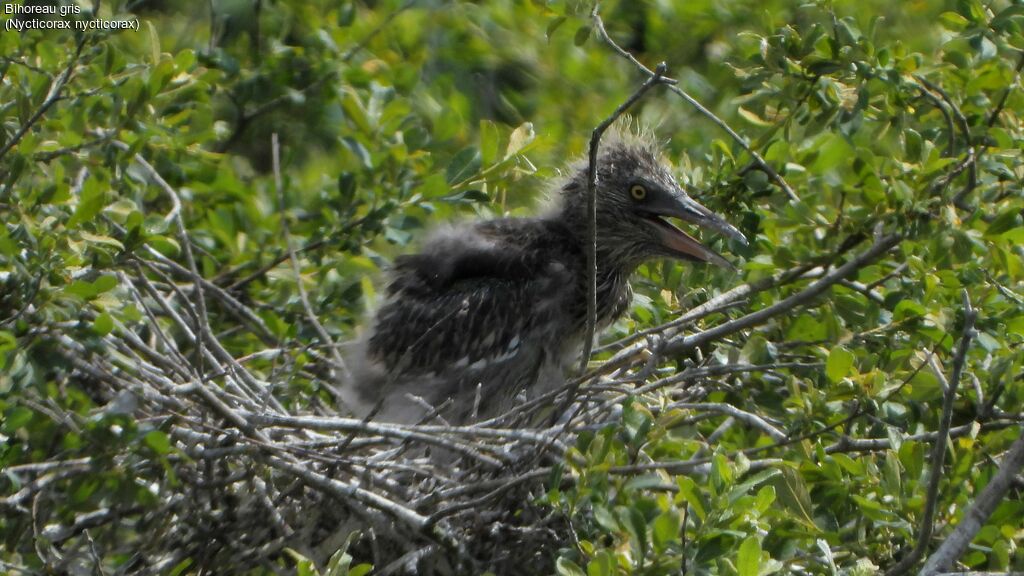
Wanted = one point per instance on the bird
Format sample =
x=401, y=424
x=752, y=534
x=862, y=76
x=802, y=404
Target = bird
x=491, y=312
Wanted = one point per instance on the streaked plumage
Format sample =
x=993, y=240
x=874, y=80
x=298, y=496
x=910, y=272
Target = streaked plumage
x=501, y=304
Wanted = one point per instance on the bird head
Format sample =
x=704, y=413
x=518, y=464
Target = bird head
x=636, y=195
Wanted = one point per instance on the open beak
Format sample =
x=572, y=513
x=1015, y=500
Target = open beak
x=689, y=210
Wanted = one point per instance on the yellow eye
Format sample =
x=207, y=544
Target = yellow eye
x=638, y=192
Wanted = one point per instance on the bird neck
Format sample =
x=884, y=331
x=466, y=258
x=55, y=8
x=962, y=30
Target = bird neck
x=613, y=292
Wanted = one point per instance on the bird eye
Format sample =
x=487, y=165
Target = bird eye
x=638, y=192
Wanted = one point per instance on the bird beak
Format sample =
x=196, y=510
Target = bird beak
x=689, y=210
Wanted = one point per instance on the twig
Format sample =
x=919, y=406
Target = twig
x=332, y=347
x=595, y=141
x=747, y=418
x=673, y=86
x=976, y=573
x=846, y=444
x=377, y=30
x=1006, y=93
x=938, y=454
x=52, y=96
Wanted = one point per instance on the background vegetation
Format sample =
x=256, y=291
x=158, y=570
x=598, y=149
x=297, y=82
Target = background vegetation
x=165, y=307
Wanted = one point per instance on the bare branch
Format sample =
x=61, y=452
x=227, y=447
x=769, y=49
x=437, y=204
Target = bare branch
x=332, y=348
x=747, y=418
x=876, y=251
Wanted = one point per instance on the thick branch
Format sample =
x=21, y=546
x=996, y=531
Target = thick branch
x=978, y=513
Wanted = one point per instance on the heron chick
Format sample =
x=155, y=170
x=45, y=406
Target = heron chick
x=490, y=310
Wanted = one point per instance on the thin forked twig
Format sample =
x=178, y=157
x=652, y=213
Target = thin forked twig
x=595, y=141
x=332, y=348
x=673, y=86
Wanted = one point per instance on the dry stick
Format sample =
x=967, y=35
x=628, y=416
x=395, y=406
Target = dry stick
x=973, y=573
x=239, y=375
x=331, y=486
x=203, y=333
x=939, y=448
x=429, y=436
x=847, y=445
x=396, y=430
x=346, y=492
x=748, y=418
x=761, y=163
x=595, y=140
x=339, y=364
x=728, y=299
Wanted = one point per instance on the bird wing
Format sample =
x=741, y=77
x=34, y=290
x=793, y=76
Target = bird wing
x=473, y=301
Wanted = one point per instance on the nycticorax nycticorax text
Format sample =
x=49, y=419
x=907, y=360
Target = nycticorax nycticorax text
x=492, y=309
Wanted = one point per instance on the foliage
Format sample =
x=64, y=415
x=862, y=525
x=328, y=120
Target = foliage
x=889, y=120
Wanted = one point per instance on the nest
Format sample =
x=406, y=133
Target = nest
x=246, y=471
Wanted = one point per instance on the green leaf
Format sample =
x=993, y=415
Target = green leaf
x=356, y=112
x=105, y=283
x=181, y=567
x=754, y=119
x=103, y=324
x=822, y=68
x=605, y=518
x=102, y=240
x=688, y=493
x=953, y=21
x=89, y=290
x=666, y=529
x=346, y=189
x=554, y=25
x=833, y=150
x=907, y=309
x=748, y=560
x=89, y=203
x=566, y=567
x=464, y=165
x=807, y=328
x=582, y=35
x=792, y=493
x=840, y=361
x=603, y=564
x=16, y=418
x=158, y=442
x=488, y=142
x=643, y=482
x=360, y=151
x=165, y=245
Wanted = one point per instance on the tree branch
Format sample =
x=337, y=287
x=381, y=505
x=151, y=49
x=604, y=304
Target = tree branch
x=938, y=455
x=673, y=86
